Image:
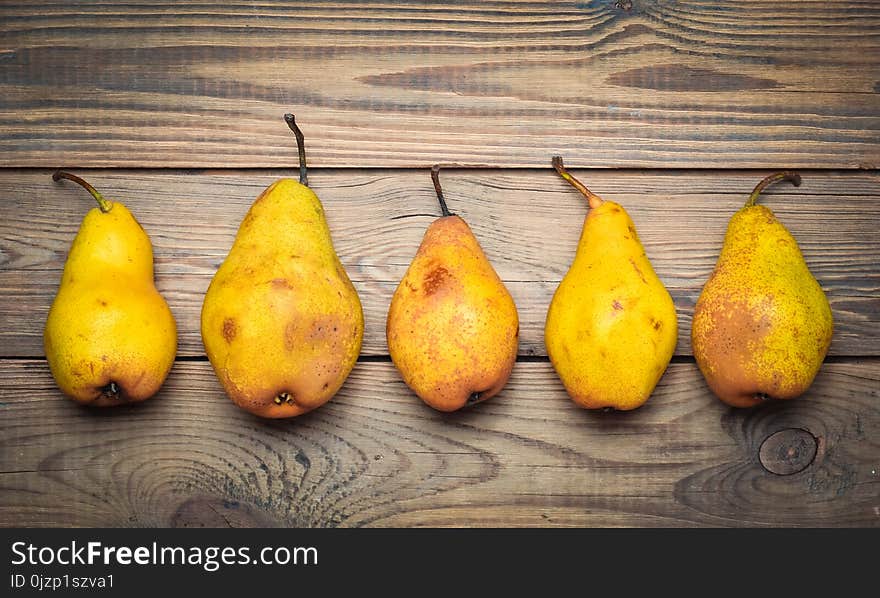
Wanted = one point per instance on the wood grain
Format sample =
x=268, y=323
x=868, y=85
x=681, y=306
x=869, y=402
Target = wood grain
x=176, y=108
x=527, y=221
x=641, y=84
x=376, y=456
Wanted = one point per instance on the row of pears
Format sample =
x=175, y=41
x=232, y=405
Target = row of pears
x=282, y=323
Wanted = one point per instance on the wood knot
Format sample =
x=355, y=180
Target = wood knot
x=788, y=451
x=215, y=511
x=624, y=5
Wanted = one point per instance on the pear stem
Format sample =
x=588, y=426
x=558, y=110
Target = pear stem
x=435, y=177
x=300, y=146
x=787, y=175
x=594, y=200
x=103, y=204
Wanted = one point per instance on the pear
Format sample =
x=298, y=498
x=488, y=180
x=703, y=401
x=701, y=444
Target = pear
x=762, y=324
x=452, y=326
x=282, y=323
x=611, y=327
x=110, y=338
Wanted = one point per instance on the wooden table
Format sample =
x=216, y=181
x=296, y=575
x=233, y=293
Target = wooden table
x=674, y=109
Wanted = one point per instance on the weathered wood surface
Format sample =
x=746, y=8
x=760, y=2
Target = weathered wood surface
x=167, y=99
x=527, y=221
x=376, y=455
x=641, y=83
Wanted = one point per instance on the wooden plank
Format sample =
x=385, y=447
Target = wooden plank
x=376, y=456
x=527, y=221
x=641, y=84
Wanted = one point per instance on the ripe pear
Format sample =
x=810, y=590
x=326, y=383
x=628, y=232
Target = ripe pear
x=282, y=323
x=452, y=326
x=762, y=324
x=110, y=338
x=611, y=327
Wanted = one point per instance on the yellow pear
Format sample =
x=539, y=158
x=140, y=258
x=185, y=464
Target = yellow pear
x=110, y=338
x=452, y=326
x=282, y=323
x=762, y=324
x=611, y=327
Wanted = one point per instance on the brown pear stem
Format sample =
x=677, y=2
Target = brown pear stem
x=787, y=175
x=300, y=146
x=103, y=204
x=594, y=200
x=435, y=177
